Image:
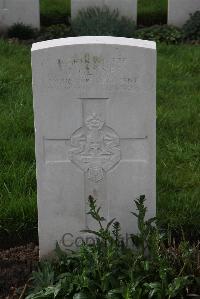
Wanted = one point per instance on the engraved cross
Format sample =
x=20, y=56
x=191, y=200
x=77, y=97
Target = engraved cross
x=96, y=149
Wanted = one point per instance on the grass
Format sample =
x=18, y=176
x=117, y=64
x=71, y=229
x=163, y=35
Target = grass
x=54, y=11
x=18, y=213
x=178, y=146
x=152, y=12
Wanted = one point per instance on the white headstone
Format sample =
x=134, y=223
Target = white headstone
x=3, y=15
x=2, y=4
x=95, y=126
x=19, y=11
x=127, y=8
x=179, y=11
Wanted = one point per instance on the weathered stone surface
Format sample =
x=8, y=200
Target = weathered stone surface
x=127, y=8
x=179, y=11
x=19, y=11
x=95, y=125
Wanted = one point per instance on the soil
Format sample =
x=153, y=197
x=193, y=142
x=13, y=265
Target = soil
x=16, y=265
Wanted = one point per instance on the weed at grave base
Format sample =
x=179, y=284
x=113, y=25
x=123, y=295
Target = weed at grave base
x=110, y=270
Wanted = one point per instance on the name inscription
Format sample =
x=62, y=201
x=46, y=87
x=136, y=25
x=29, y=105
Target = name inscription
x=78, y=73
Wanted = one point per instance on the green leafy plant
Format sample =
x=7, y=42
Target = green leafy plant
x=44, y=277
x=109, y=269
x=192, y=27
x=21, y=31
x=55, y=31
x=164, y=33
x=102, y=21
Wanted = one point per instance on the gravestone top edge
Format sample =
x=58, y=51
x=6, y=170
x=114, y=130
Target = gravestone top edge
x=94, y=40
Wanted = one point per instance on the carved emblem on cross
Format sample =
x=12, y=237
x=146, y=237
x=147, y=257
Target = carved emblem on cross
x=95, y=148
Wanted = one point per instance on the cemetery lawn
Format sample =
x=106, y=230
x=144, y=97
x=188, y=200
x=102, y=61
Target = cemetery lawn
x=152, y=12
x=54, y=6
x=54, y=11
x=178, y=145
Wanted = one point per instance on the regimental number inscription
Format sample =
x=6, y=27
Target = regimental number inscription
x=95, y=148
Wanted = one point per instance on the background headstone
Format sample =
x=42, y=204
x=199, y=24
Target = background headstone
x=95, y=124
x=19, y=11
x=179, y=11
x=127, y=8
x=3, y=15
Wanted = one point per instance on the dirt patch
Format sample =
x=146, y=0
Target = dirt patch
x=16, y=265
